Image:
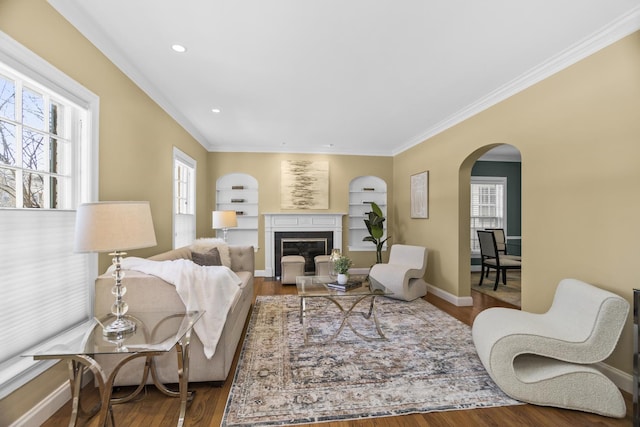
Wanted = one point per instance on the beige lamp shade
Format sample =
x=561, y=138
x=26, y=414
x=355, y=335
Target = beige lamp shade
x=114, y=226
x=224, y=219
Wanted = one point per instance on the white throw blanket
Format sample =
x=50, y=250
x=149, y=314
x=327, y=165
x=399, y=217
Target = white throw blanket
x=213, y=290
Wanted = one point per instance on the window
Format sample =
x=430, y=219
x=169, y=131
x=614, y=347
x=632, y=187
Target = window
x=35, y=155
x=488, y=206
x=184, y=222
x=47, y=164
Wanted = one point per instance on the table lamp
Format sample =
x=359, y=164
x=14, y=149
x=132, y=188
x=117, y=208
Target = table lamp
x=114, y=227
x=224, y=220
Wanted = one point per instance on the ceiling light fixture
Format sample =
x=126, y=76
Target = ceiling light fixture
x=179, y=48
x=216, y=110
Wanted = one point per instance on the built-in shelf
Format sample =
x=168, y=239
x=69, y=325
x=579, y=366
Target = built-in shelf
x=239, y=192
x=362, y=190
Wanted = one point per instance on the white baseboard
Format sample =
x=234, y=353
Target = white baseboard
x=46, y=408
x=621, y=379
x=49, y=405
x=453, y=299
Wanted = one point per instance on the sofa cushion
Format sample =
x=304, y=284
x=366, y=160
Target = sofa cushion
x=212, y=257
x=204, y=245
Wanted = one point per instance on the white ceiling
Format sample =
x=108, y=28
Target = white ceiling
x=340, y=76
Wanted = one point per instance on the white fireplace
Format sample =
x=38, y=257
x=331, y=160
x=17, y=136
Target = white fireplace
x=298, y=222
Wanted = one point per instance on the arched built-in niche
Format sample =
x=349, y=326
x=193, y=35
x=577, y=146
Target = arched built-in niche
x=239, y=192
x=364, y=189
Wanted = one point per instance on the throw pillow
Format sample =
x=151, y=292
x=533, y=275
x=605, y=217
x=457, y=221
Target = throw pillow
x=209, y=258
x=204, y=245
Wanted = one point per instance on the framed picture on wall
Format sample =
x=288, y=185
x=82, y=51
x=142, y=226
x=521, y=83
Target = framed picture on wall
x=420, y=195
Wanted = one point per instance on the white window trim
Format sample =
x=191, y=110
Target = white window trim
x=36, y=68
x=492, y=180
x=179, y=155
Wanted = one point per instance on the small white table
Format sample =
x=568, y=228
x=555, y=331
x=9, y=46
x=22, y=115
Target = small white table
x=156, y=333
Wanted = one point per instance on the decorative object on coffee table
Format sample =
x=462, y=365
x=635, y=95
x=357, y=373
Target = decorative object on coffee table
x=114, y=227
x=342, y=265
x=335, y=256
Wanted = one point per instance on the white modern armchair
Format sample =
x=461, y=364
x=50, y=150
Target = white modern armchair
x=403, y=274
x=547, y=359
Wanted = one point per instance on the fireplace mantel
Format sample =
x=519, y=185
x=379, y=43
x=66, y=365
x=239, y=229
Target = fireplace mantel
x=274, y=222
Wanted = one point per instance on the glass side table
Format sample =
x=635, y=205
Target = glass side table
x=156, y=333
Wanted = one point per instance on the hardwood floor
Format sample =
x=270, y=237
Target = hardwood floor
x=206, y=410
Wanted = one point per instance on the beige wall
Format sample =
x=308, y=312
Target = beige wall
x=579, y=135
x=136, y=144
x=265, y=168
x=577, y=131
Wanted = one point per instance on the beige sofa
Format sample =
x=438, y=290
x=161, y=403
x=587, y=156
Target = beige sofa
x=150, y=293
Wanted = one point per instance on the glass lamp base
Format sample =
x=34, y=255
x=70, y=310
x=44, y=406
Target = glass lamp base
x=119, y=328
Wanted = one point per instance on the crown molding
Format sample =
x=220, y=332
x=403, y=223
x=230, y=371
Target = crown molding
x=616, y=30
x=91, y=31
x=611, y=33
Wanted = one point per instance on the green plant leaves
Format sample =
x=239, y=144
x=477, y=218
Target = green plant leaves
x=375, y=227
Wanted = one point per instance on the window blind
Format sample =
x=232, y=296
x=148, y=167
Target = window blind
x=45, y=286
x=185, y=231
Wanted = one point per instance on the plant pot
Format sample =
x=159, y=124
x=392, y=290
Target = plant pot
x=343, y=278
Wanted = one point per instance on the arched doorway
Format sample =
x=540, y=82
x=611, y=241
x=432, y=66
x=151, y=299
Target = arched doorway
x=490, y=197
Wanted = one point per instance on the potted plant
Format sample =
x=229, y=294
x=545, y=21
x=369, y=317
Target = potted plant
x=342, y=265
x=375, y=226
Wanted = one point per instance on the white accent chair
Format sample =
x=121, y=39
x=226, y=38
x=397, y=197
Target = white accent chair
x=403, y=274
x=545, y=359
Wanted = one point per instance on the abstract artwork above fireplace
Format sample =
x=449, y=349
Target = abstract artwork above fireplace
x=304, y=184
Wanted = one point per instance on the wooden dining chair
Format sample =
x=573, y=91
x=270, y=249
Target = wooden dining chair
x=492, y=259
x=501, y=243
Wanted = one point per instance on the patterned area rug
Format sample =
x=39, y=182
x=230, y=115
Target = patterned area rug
x=428, y=363
x=510, y=293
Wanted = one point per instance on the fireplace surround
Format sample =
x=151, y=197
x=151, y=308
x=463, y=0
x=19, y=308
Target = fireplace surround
x=298, y=226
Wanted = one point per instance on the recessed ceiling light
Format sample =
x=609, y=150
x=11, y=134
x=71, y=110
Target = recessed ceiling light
x=216, y=110
x=179, y=48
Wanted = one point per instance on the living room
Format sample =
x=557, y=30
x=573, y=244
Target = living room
x=577, y=131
